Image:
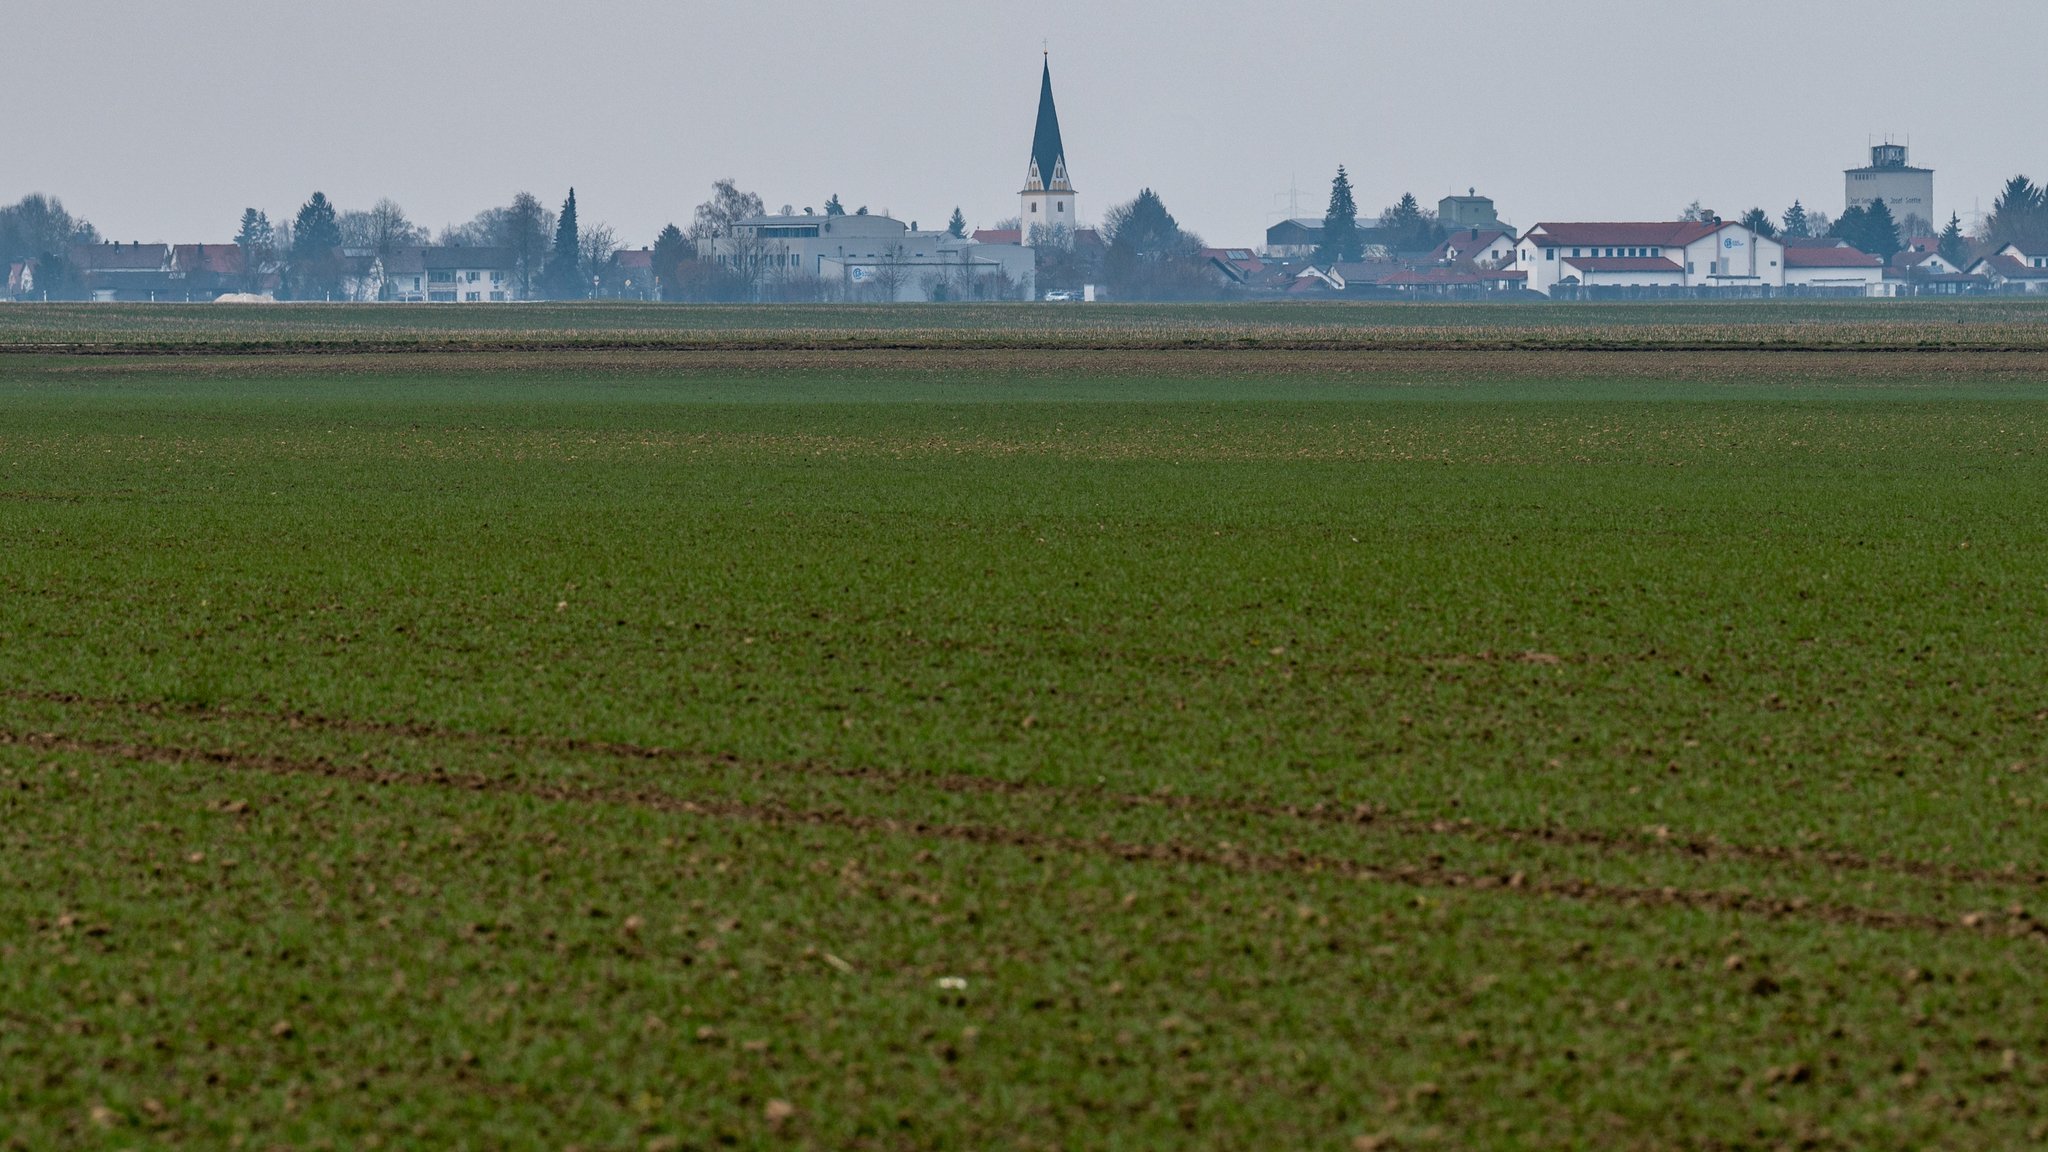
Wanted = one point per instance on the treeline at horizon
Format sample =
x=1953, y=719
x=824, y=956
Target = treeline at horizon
x=1140, y=251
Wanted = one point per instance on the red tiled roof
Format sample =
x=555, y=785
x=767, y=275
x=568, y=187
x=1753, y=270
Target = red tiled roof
x=2011, y=267
x=1830, y=258
x=635, y=259
x=1623, y=264
x=119, y=257
x=223, y=259
x=1240, y=257
x=998, y=236
x=1676, y=233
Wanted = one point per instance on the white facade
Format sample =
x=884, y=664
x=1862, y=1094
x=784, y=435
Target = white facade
x=1680, y=254
x=2030, y=259
x=444, y=275
x=464, y=284
x=1905, y=190
x=1485, y=247
x=873, y=255
x=1044, y=212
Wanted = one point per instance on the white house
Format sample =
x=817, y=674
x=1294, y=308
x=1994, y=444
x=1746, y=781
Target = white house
x=461, y=275
x=1677, y=254
x=1485, y=247
x=2012, y=270
x=2038, y=258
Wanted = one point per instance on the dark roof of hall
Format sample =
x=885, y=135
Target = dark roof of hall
x=1046, y=151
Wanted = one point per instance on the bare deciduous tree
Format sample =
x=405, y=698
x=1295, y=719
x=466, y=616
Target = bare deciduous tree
x=598, y=244
x=37, y=225
x=727, y=207
x=890, y=273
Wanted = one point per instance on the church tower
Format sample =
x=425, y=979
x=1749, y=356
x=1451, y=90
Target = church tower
x=1048, y=197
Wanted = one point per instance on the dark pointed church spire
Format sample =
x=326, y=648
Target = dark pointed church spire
x=1048, y=158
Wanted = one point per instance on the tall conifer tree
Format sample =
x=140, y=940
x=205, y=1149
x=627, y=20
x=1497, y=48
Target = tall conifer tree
x=1880, y=231
x=1795, y=220
x=1341, y=242
x=1952, y=247
x=316, y=250
x=670, y=250
x=564, y=274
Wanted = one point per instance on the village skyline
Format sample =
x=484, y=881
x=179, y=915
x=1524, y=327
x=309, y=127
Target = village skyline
x=534, y=105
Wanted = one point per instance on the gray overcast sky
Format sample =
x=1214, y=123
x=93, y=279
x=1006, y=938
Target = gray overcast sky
x=161, y=121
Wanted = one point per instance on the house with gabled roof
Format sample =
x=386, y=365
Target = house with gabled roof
x=1491, y=247
x=1920, y=263
x=1713, y=254
x=2035, y=256
x=2009, y=270
x=1234, y=266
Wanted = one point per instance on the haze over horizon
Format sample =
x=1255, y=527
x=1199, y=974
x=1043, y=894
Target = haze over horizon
x=162, y=123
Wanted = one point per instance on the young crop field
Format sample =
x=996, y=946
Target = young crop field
x=884, y=744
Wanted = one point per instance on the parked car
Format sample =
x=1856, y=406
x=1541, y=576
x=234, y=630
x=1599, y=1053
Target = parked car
x=1059, y=294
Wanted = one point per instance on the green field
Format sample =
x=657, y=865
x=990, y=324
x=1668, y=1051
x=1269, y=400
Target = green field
x=872, y=745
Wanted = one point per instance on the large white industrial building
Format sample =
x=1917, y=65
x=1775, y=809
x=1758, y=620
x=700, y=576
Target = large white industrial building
x=1673, y=254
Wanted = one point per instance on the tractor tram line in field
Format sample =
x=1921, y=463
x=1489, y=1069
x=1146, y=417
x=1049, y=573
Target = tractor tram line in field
x=1526, y=878
x=1426, y=875
x=1364, y=816
x=1373, y=726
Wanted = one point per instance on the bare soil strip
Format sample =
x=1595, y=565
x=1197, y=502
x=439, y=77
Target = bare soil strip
x=2014, y=922
x=1423, y=362
x=1925, y=338
x=1662, y=841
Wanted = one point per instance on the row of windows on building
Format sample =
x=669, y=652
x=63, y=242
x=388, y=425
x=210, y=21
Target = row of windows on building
x=449, y=276
x=1634, y=253
x=763, y=260
x=795, y=259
